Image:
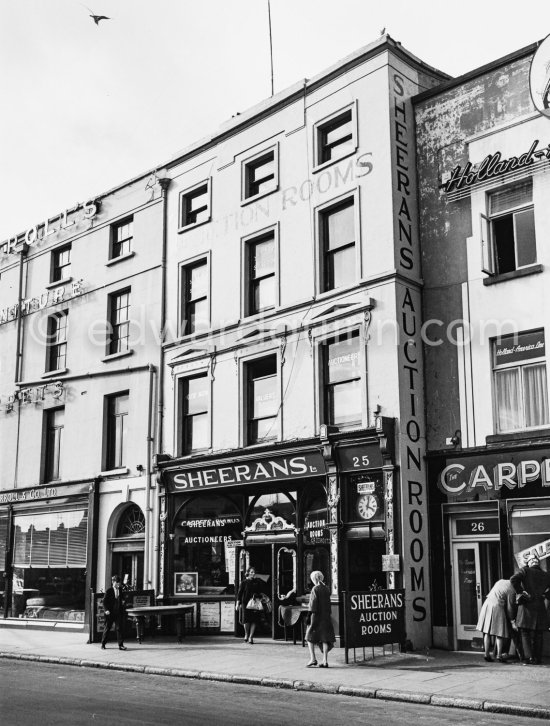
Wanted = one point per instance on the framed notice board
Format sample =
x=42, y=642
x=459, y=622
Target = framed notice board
x=134, y=599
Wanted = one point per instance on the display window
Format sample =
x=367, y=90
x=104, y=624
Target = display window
x=206, y=529
x=49, y=565
x=529, y=524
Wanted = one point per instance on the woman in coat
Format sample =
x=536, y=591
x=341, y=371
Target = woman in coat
x=251, y=588
x=532, y=584
x=320, y=629
x=498, y=612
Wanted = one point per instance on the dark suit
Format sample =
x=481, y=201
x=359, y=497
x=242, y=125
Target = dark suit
x=115, y=612
x=532, y=618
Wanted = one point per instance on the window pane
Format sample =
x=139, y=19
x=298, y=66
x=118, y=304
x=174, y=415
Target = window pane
x=263, y=429
x=341, y=270
x=264, y=294
x=196, y=400
x=345, y=403
x=340, y=227
x=525, y=237
x=263, y=170
x=198, y=316
x=197, y=432
x=198, y=282
x=343, y=359
x=536, y=395
x=264, y=397
x=508, y=401
x=511, y=197
x=263, y=258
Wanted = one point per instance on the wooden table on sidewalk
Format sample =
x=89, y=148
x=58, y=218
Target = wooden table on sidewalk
x=180, y=611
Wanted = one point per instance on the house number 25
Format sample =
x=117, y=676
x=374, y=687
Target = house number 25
x=360, y=462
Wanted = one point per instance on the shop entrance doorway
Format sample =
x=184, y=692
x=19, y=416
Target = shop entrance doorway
x=275, y=564
x=476, y=566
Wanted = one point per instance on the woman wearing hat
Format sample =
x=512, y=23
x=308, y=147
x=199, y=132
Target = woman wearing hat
x=532, y=585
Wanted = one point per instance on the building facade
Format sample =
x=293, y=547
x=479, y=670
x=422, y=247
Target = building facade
x=80, y=320
x=483, y=151
x=294, y=424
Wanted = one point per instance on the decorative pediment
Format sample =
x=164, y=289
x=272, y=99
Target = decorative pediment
x=334, y=309
x=256, y=332
x=268, y=522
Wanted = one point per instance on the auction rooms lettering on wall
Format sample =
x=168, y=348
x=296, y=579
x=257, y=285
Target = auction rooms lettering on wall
x=412, y=456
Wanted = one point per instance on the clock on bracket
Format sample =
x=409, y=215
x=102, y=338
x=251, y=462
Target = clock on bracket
x=366, y=506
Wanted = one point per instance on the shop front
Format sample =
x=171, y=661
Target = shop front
x=45, y=546
x=285, y=512
x=489, y=509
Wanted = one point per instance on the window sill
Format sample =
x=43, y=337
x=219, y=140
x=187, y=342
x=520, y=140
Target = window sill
x=116, y=356
x=58, y=283
x=187, y=227
x=54, y=374
x=522, y=272
x=114, y=260
x=115, y=472
x=320, y=167
x=530, y=435
x=249, y=200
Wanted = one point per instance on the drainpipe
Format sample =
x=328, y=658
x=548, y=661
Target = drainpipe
x=18, y=350
x=148, y=473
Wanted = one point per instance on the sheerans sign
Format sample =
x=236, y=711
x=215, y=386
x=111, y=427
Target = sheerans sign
x=279, y=468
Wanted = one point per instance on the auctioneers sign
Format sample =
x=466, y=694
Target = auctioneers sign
x=375, y=617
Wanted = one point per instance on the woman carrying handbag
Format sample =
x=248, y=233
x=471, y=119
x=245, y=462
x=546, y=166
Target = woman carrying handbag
x=249, y=603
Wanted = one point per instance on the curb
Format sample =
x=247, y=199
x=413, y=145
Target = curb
x=383, y=694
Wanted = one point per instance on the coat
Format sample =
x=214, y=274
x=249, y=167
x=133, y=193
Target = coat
x=320, y=628
x=250, y=587
x=115, y=606
x=498, y=610
x=532, y=615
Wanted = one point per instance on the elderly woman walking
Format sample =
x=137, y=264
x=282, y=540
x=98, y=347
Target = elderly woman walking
x=320, y=630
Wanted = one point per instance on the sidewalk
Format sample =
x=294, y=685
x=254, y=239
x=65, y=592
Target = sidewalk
x=439, y=678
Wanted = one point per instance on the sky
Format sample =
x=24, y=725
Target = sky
x=86, y=107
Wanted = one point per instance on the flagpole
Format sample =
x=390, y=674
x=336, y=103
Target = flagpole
x=270, y=45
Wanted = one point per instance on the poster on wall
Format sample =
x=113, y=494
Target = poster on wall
x=230, y=561
x=209, y=615
x=227, y=624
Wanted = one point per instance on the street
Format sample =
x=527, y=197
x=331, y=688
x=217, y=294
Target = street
x=50, y=694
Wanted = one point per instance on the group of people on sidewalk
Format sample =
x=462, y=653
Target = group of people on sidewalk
x=515, y=611
x=320, y=630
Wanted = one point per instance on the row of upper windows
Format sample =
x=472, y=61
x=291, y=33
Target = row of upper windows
x=115, y=437
x=337, y=267
x=342, y=372
x=520, y=391
x=118, y=331
x=335, y=138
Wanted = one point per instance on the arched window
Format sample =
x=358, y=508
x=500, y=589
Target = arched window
x=131, y=522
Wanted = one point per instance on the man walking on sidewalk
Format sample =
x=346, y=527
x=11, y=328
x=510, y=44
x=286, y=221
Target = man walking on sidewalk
x=113, y=604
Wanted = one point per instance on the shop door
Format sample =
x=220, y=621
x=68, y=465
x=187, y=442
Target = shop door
x=129, y=565
x=467, y=592
x=285, y=582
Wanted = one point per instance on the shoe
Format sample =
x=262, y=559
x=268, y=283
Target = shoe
x=502, y=659
x=323, y=665
x=102, y=646
x=122, y=647
x=245, y=640
x=488, y=658
x=251, y=641
x=311, y=664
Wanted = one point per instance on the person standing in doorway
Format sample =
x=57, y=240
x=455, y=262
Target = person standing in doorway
x=249, y=603
x=497, y=619
x=114, y=607
x=320, y=629
x=532, y=585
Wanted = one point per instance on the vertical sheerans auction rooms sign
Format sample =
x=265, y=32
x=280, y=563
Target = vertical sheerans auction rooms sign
x=374, y=618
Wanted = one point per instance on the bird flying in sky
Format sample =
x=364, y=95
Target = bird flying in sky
x=96, y=18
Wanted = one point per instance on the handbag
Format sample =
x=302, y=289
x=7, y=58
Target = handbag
x=266, y=604
x=254, y=604
x=523, y=598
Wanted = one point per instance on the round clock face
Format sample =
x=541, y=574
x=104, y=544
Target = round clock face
x=367, y=506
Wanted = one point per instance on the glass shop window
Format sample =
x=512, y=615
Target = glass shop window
x=530, y=530
x=204, y=532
